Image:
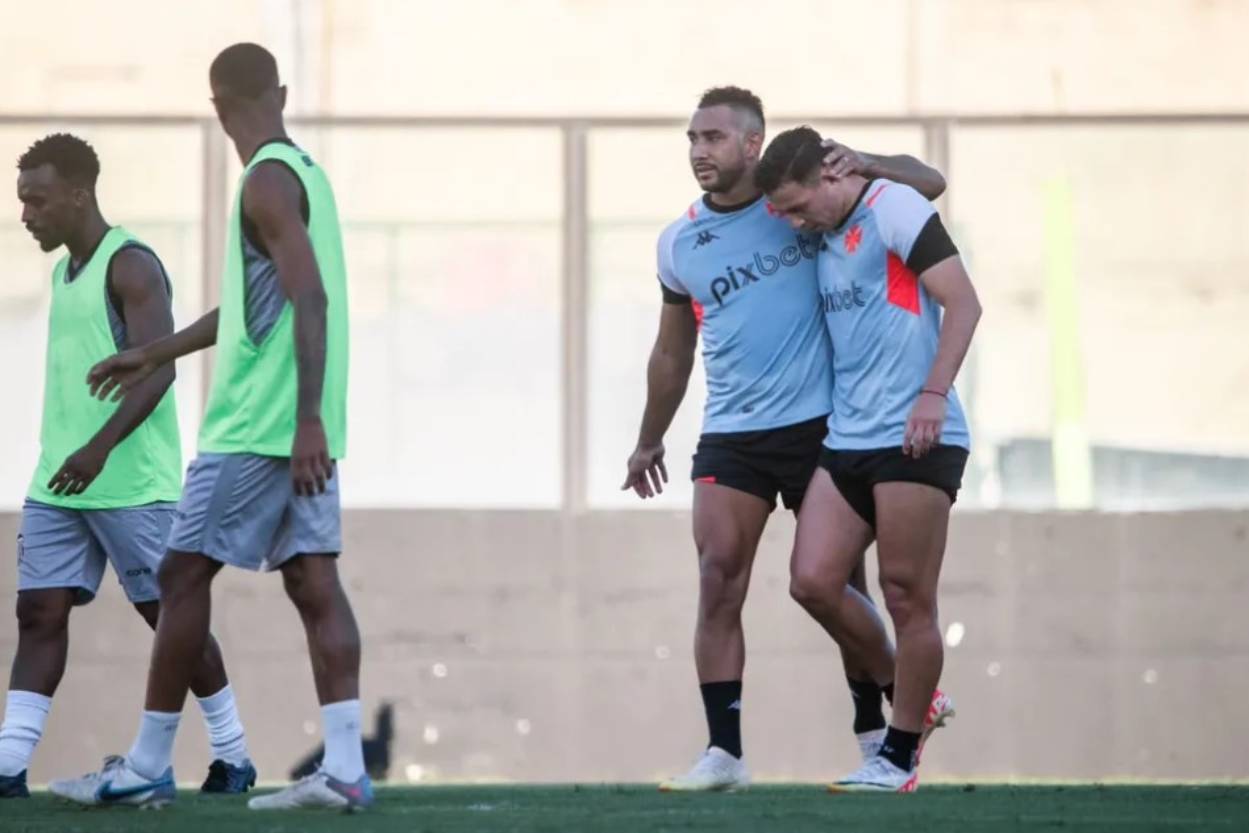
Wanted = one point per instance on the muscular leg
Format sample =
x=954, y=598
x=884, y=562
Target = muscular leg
x=856, y=669
x=42, y=645
x=828, y=550
x=209, y=676
x=42, y=640
x=181, y=629
x=912, y=521
x=334, y=646
x=333, y=639
x=211, y=688
x=727, y=528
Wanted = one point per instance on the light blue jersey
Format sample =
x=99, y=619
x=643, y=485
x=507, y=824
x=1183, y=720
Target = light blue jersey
x=883, y=324
x=752, y=281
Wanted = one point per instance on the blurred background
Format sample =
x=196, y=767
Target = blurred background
x=503, y=170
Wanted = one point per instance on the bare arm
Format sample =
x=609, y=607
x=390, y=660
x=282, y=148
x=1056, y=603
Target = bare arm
x=667, y=377
x=948, y=284
x=199, y=336
x=139, y=284
x=843, y=161
x=668, y=371
x=118, y=375
x=271, y=199
x=909, y=171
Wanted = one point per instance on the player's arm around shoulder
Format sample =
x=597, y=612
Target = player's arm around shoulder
x=901, y=168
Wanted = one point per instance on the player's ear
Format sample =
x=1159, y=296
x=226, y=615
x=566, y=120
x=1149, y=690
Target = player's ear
x=282, y=97
x=754, y=145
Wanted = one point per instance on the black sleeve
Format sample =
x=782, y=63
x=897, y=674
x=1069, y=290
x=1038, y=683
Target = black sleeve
x=931, y=247
x=671, y=296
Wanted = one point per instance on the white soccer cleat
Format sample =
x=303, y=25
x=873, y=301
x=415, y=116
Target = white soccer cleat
x=117, y=783
x=878, y=775
x=715, y=771
x=870, y=743
x=940, y=710
x=318, y=790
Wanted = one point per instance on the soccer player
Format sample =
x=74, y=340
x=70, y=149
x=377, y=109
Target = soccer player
x=108, y=476
x=732, y=269
x=898, y=441
x=263, y=492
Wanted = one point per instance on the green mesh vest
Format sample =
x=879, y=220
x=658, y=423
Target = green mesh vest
x=252, y=402
x=146, y=467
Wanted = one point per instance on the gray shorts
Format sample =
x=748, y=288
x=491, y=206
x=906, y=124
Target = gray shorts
x=241, y=509
x=69, y=548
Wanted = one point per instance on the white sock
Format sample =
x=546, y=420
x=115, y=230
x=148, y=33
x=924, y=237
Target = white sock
x=152, y=752
x=344, y=755
x=225, y=730
x=24, y=716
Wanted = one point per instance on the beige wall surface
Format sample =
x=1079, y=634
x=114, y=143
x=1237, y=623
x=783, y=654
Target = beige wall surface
x=648, y=56
x=523, y=646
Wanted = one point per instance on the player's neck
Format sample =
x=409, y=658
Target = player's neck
x=852, y=188
x=740, y=194
x=84, y=239
x=250, y=139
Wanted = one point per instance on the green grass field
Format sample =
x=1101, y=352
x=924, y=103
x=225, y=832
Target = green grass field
x=640, y=809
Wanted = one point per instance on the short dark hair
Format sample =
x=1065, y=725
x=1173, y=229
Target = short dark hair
x=71, y=157
x=791, y=157
x=741, y=100
x=246, y=70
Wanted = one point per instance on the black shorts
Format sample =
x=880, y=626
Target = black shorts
x=854, y=473
x=763, y=463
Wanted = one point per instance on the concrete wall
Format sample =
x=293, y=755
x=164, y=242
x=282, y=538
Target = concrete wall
x=520, y=645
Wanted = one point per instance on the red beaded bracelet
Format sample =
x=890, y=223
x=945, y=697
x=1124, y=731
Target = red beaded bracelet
x=935, y=393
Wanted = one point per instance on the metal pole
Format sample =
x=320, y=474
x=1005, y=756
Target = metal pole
x=937, y=154
x=213, y=211
x=574, y=312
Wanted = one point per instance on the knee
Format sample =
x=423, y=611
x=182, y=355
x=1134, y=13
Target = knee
x=907, y=603
x=308, y=590
x=180, y=576
x=39, y=614
x=721, y=581
x=810, y=588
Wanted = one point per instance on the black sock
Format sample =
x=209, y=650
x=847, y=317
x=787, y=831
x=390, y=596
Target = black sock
x=723, y=704
x=899, y=748
x=888, y=691
x=868, y=716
